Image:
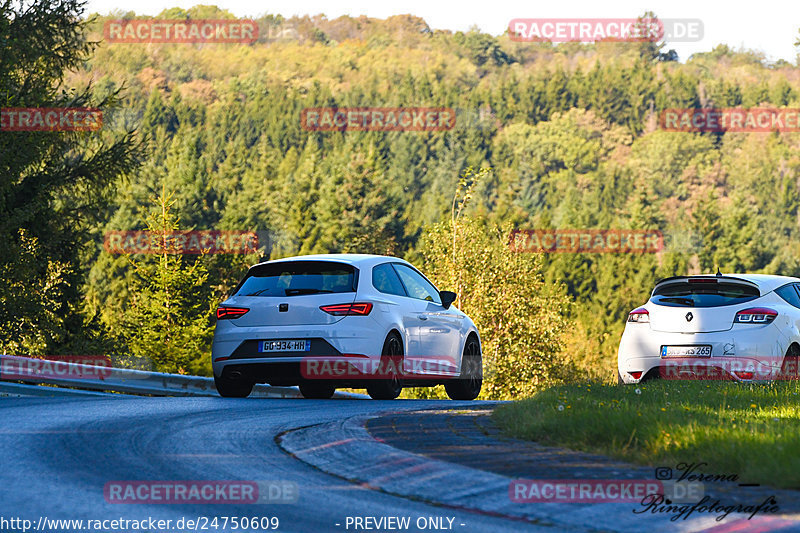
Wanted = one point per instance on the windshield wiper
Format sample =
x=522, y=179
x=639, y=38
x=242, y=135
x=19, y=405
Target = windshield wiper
x=296, y=292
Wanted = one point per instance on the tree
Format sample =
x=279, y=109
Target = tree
x=54, y=185
x=355, y=211
x=168, y=318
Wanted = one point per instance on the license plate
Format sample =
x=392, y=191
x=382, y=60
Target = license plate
x=686, y=351
x=284, y=346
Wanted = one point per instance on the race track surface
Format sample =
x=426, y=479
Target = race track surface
x=59, y=453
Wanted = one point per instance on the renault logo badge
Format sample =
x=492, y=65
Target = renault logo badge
x=689, y=317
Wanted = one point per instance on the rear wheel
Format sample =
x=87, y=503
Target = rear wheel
x=317, y=391
x=233, y=388
x=468, y=385
x=789, y=368
x=391, y=363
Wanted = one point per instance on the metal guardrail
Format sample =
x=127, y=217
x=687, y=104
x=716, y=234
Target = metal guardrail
x=10, y=389
x=106, y=378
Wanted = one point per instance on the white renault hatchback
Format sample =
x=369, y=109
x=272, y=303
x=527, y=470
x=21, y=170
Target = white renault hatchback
x=343, y=320
x=743, y=327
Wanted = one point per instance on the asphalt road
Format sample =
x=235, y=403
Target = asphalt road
x=57, y=454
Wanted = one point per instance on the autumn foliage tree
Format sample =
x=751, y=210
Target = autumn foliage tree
x=520, y=317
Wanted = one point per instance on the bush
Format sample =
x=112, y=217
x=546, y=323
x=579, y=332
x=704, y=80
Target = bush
x=521, y=319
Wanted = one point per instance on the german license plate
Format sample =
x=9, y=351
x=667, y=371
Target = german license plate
x=703, y=350
x=289, y=345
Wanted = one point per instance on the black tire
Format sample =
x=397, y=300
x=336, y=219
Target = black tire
x=619, y=379
x=233, y=388
x=391, y=359
x=468, y=385
x=317, y=390
x=789, y=368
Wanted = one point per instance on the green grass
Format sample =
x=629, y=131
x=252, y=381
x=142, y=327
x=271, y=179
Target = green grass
x=751, y=430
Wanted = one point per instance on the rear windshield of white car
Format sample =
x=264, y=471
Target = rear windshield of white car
x=298, y=278
x=703, y=294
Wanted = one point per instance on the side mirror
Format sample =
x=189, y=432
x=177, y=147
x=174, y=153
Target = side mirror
x=448, y=297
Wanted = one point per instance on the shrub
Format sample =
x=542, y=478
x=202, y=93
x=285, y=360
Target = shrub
x=520, y=317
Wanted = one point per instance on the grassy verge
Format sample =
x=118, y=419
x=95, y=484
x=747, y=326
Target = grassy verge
x=749, y=430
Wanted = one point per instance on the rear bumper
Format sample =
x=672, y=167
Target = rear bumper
x=704, y=368
x=734, y=353
x=234, y=345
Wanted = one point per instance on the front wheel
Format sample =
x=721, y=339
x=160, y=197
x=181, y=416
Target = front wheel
x=233, y=388
x=469, y=383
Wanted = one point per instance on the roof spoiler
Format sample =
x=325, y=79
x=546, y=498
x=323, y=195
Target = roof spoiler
x=705, y=278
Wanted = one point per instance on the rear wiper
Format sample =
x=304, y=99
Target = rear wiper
x=257, y=292
x=685, y=301
x=296, y=292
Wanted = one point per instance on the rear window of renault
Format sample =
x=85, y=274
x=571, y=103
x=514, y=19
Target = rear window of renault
x=687, y=294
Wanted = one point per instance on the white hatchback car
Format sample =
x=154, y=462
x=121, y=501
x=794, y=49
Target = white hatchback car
x=743, y=327
x=344, y=320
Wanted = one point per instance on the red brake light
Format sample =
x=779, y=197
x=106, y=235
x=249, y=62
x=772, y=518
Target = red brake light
x=755, y=315
x=639, y=315
x=635, y=375
x=229, y=313
x=354, y=309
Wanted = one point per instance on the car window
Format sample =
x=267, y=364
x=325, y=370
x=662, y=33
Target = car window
x=416, y=285
x=298, y=278
x=385, y=279
x=703, y=294
x=789, y=293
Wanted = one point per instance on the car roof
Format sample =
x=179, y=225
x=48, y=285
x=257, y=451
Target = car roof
x=765, y=282
x=359, y=260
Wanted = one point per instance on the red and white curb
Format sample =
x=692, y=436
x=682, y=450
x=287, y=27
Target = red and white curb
x=345, y=448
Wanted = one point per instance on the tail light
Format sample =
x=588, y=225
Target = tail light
x=635, y=375
x=354, y=309
x=640, y=315
x=755, y=315
x=229, y=313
